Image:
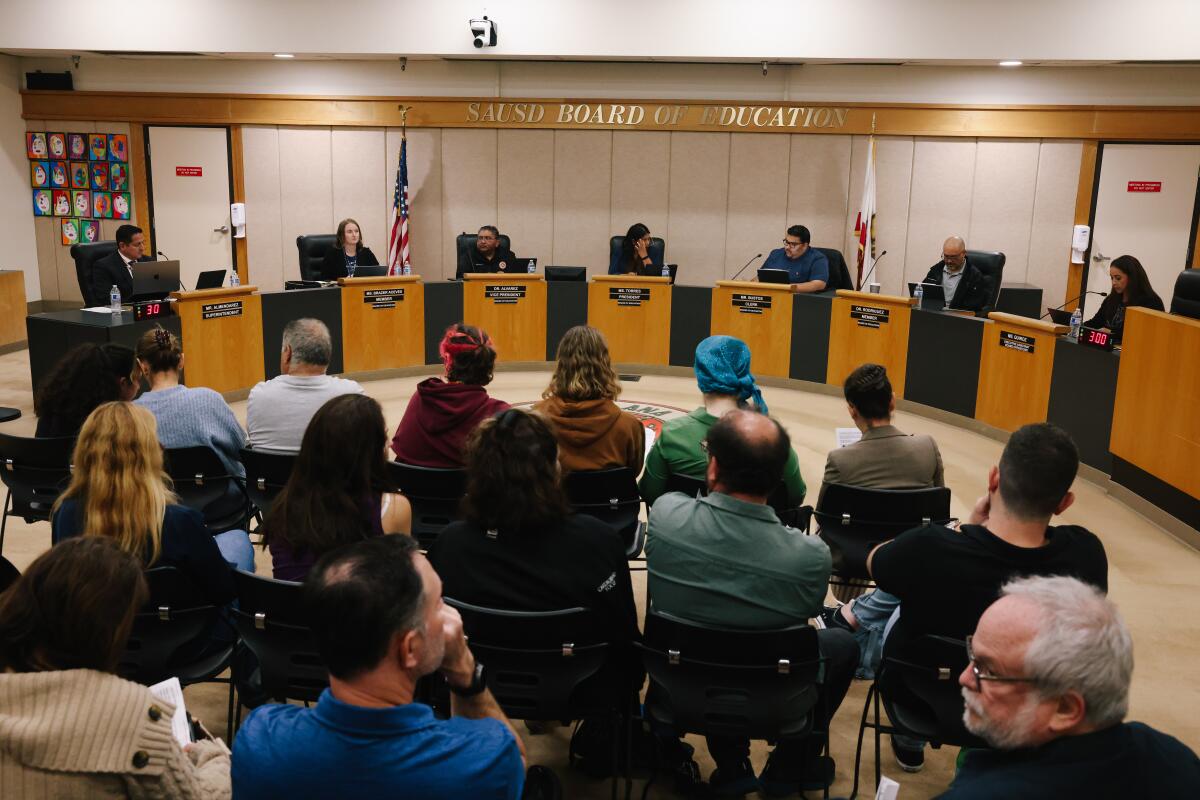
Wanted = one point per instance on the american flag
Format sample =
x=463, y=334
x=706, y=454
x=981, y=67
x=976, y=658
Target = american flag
x=398, y=244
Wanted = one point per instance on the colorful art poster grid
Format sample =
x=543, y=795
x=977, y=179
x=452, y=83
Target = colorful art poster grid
x=81, y=178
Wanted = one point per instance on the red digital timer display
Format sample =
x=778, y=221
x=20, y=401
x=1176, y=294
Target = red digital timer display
x=1096, y=338
x=149, y=310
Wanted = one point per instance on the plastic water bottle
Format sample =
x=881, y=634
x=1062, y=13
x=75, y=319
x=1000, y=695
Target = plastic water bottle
x=530, y=268
x=407, y=269
x=919, y=294
x=666, y=271
x=114, y=300
x=234, y=280
x=1076, y=323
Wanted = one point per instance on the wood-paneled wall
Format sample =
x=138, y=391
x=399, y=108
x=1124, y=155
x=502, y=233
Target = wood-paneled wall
x=717, y=198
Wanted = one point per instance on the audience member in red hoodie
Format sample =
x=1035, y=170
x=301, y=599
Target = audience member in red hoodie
x=593, y=433
x=443, y=413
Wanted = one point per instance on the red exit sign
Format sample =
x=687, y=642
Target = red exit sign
x=1145, y=186
x=196, y=172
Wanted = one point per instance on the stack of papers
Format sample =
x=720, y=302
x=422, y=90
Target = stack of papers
x=171, y=691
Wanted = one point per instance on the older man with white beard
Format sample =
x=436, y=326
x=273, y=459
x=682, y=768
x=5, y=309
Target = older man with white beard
x=1047, y=685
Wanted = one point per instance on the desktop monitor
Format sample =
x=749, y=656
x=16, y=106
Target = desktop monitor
x=573, y=274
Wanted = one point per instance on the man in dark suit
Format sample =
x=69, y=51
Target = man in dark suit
x=965, y=286
x=116, y=269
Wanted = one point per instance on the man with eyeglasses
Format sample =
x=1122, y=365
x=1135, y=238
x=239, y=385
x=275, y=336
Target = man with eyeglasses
x=945, y=578
x=488, y=255
x=807, y=267
x=1047, y=686
x=965, y=287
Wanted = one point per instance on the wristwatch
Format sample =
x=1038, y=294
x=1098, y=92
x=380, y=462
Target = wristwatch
x=476, y=686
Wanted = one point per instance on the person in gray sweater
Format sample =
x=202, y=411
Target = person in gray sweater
x=194, y=417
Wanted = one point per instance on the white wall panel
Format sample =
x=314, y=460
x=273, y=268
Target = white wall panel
x=469, y=176
x=942, y=178
x=1053, y=219
x=1002, y=202
x=305, y=189
x=583, y=169
x=357, y=155
x=525, y=199
x=758, y=199
x=271, y=259
x=820, y=194
x=698, y=202
x=641, y=184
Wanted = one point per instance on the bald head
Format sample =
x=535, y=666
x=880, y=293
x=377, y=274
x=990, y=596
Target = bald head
x=747, y=453
x=309, y=343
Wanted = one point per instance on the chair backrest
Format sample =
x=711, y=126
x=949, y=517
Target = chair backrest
x=609, y=495
x=267, y=473
x=270, y=620
x=853, y=519
x=434, y=495
x=657, y=249
x=8, y=573
x=536, y=659
x=839, y=273
x=167, y=629
x=1185, y=300
x=86, y=254
x=36, y=472
x=722, y=682
x=203, y=483
x=918, y=683
x=464, y=243
x=991, y=264
x=311, y=250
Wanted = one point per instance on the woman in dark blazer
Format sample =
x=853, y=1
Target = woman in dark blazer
x=1130, y=287
x=347, y=254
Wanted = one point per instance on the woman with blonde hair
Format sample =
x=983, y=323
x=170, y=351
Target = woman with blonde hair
x=593, y=433
x=119, y=491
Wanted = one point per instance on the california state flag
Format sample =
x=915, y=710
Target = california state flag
x=864, y=226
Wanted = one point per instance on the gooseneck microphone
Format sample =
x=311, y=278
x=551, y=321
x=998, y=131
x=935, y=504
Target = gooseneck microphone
x=875, y=263
x=1072, y=300
x=743, y=269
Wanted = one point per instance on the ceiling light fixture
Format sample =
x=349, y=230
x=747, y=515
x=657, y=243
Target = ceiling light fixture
x=289, y=55
x=1011, y=63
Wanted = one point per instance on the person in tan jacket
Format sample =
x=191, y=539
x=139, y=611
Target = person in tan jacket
x=592, y=432
x=68, y=726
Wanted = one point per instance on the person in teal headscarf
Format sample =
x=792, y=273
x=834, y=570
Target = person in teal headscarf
x=723, y=374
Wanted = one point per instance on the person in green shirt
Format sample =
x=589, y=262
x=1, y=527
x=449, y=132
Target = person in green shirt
x=723, y=374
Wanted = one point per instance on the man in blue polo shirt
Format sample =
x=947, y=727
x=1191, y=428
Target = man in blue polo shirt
x=379, y=622
x=807, y=267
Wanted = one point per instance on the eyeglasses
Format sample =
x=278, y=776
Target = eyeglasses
x=981, y=676
x=786, y=243
x=955, y=259
x=485, y=237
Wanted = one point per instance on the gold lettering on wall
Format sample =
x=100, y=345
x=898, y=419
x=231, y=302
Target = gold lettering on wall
x=655, y=116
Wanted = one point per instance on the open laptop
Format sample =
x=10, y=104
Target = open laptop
x=154, y=280
x=774, y=276
x=656, y=272
x=370, y=272
x=211, y=279
x=1060, y=316
x=935, y=296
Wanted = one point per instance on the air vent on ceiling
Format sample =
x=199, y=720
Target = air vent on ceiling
x=148, y=54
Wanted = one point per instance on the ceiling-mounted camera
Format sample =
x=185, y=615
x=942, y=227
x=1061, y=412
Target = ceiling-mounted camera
x=484, y=31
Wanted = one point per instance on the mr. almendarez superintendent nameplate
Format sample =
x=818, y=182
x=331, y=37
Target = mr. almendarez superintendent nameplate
x=504, y=295
x=869, y=316
x=217, y=310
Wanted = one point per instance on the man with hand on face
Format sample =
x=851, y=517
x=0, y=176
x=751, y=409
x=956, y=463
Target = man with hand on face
x=116, y=269
x=488, y=255
x=1047, y=686
x=376, y=612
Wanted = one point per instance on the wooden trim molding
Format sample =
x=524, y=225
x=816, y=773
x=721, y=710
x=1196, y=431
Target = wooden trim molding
x=238, y=163
x=139, y=168
x=1083, y=213
x=1131, y=123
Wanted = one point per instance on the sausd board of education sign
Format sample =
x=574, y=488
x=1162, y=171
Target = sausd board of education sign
x=654, y=116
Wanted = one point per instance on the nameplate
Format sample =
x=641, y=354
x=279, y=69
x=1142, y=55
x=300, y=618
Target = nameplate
x=216, y=310
x=751, y=303
x=869, y=316
x=504, y=295
x=1015, y=341
x=629, y=296
x=383, y=298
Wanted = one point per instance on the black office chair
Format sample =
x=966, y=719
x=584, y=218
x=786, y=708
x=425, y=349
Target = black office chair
x=657, y=249
x=611, y=496
x=271, y=623
x=1185, y=300
x=172, y=636
x=464, y=243
x=991, y=264
x=547, y=665
x=799, y=517
x=852, y=520
x=84, y=255
x=719, y=682
x=434, y=495
x=8, y=573
x=203, y=483
x=311, y=250
x=918, y=688
x=36, y=472
x=267, y=473
x=839, y=273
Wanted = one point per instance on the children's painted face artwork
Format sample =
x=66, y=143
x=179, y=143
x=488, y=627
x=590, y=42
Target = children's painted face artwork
x=62, y=203
x=35, y=145
x=58, y=174
x=97, y=147
x=56, y=143
x=39, y=174
x=118, y=179
x=81, y=202
x=76, y=146
x=70, y=231
x=101, y=205
x=118, y=147
x=89, y=230
x=79, y=174
x=121, y=205
x=100, y=175
x=41, y=202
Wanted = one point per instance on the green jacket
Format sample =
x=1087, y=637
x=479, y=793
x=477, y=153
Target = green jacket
x=678, y=452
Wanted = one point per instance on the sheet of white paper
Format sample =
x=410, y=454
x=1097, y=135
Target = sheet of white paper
x=847, y=436
x=172, y=692
x=888, y=789
x=99, y=310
